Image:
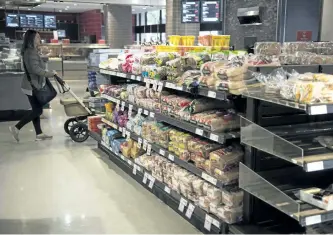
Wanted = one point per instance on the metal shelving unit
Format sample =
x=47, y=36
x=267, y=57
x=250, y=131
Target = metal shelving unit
x=205, y=222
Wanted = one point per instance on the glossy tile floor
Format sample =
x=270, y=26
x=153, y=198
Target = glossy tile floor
x=59, y=186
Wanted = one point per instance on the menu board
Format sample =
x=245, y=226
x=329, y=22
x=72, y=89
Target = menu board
x=50, y=22
x=210, y=11
x=190, y=11
x=31, y=21
x=12, y=20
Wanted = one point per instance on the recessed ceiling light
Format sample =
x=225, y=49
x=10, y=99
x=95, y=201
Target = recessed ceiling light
x=133, y=9
x=75, y=4
x=144, y=8
x=29, y=9
x=60, y=10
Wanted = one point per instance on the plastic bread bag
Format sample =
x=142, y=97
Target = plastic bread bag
x=226, y=158
x=162, y=58
x=232, y=197
x=203, y=203
x=208, y=167
x=267, y=48
x=147, y=59
x=208, y=68
x=293, y=47
x=227, y=177
x=230, y=215
x=263, y=60
x=175, y=63
x=197, y=184
x=214, y=195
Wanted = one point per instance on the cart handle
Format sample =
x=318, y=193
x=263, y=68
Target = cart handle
x=63, y=86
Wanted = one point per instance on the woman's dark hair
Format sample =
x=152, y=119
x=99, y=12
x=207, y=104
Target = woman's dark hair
x=29, y=40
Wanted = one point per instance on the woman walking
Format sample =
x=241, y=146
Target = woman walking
x=34, y=78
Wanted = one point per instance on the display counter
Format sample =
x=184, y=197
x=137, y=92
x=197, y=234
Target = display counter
x=70, y=60
x=13, y=102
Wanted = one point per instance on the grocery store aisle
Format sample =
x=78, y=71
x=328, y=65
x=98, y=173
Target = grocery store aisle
x=59, y=186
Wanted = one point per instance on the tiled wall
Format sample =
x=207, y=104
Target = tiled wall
x=173, y=22
x=264, y=32
x=118, y=25
x=91, y=23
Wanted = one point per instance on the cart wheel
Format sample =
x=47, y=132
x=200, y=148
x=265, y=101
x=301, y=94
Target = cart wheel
x=79, y=132
x=69, y=123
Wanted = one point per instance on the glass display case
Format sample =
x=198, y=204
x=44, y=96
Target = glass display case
x=70, y=60
x=10, y=57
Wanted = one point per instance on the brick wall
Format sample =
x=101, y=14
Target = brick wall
x=91, y=23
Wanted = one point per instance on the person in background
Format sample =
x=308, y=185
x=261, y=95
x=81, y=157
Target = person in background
x=35, y=67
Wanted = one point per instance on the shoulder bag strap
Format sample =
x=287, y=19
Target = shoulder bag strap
x=26, y=71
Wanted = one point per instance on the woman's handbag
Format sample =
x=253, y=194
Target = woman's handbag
x=45, y=94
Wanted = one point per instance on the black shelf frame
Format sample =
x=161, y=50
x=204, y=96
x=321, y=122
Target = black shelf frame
x=171, y=199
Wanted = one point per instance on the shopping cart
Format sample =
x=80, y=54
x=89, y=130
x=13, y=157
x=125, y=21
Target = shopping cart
x=78, y=110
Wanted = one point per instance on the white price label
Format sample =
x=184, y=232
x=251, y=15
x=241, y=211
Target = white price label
x=132, y=77
x=315, y=166
x=129, y=162
x=212, y=94
x=145, y=178
x=122, y=157
x=167, y=189
x=155, y=85
x=209, y=178
x=179, y=88
x=318, y=109
x=216, y=223
x=148, y=83
x=145, y=143
x=139, y=143
x=189, y=210
x=123, y=131
x=152, y=115
x=140, y=111
x=130, y=109
x=149, y=149
x=134, y=169
x=145, y=112
x=168, y=84
x=214, y=137
x=160, y=87
x=162, y=152
x=171, y=157
x=152, y=182
x=123, y=106
x=316, y=219
x=113, y=73
x=138, y=78
x=182, y=204
x=208, y=222
x=199, y=131
x=128, y=135
x=123, y=75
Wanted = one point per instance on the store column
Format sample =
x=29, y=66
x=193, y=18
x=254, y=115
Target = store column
x=118, y=25
x=174, y=25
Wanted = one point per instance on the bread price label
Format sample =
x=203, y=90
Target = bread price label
x=152, y=182
x=145, y=143
x=189, y=210
x=139, y=111
x=167, y=189
x=145, y=112
x=212, y=94
x=139, y=143
x=145, y=178
x=208, y=222
x=138, y=78
x=123, y=106
x=162, y=152
x=149, y=149
x=132, y=77
x=182, y=204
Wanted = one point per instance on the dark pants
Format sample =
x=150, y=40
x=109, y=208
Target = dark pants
x=33, y=116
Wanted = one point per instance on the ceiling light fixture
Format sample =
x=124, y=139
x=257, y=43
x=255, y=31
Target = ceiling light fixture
x=75, y=4
x=60, y=10
x=29, y=9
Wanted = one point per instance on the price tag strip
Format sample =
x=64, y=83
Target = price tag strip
x=149, y=149
x=189, y=210
x=182, y=204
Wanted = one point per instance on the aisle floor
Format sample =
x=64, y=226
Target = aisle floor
x=59, y=186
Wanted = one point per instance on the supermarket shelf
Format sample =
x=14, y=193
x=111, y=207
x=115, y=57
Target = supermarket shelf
x=184, y=164
x=215, y=94
x=170, y=156
x=95, y=136
x=203, y=221
x=214, y=136
x=294, y=143
x=310, y=109
x=283, y=199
